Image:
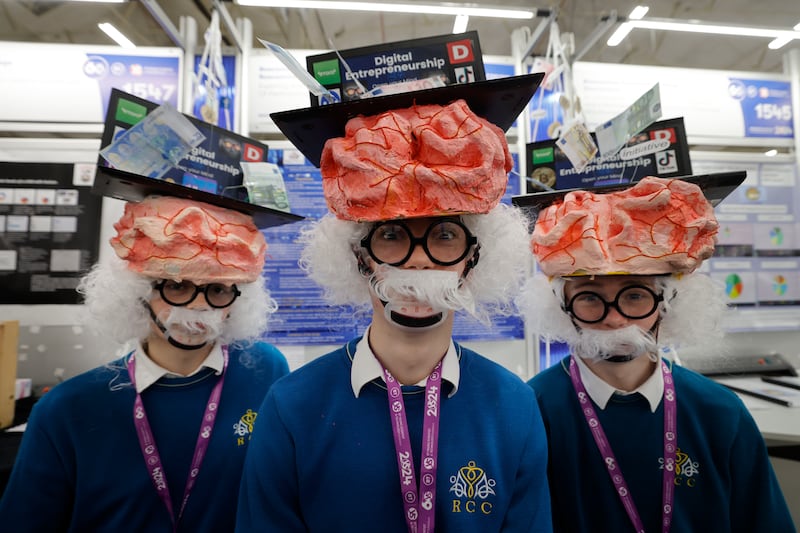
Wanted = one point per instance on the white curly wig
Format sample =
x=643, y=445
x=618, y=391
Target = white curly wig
x=691, y=312
x=113, y=297
x=328, y=258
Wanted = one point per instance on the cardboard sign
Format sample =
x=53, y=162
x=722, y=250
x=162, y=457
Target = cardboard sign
x=451, y=59
x=659, y=150
x=211, y=172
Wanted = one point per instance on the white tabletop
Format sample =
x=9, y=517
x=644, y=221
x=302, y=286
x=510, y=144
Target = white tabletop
x=776, y=422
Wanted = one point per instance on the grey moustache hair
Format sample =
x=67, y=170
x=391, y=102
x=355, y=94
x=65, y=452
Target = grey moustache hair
x=190, y=320
x=599, y=344
x=441, y=289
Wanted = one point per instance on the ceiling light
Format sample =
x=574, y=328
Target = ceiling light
x=102, y=1
x=624, y=29
x=115, y=34
x=771, y=153
x=638, y=12
x=460, y=24
x=717, y=29
x=779, y=42
x=620, y=34
x=430, y=9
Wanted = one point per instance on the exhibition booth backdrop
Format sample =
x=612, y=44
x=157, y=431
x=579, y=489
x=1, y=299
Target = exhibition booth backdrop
x=65, y=89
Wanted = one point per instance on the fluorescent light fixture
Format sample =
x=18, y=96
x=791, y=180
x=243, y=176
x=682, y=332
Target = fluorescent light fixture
x=115, y=34
x=619, y=35
x=779, y=42
x=460, y=25
x=624, y=29
x=695, y=26
x=638, y=12
x=469, y=10
x=102, y=1
x=771, y=153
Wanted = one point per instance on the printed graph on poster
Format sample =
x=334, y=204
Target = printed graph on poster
x=738, y=276
x=779, y=281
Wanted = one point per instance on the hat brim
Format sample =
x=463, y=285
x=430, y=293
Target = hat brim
x=135, y=188
x=716, y=187
x=500, y=101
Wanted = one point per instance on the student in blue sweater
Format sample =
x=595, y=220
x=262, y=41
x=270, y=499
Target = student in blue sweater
x=155, y=441
x=636, y=442
x=403, y=429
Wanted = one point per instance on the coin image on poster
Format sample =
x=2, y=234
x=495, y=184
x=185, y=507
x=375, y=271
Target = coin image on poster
x=752, y=193
x=545, y=175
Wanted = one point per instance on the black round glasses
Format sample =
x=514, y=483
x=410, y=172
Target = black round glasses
x=634, y=302
x=446, y=242
x=180, y=293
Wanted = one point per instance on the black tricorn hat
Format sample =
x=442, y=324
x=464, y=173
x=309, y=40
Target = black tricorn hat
x=716, y=187
x=500, y=101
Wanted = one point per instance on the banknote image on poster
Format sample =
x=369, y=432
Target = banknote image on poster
x=445, y=59
x=660, y=150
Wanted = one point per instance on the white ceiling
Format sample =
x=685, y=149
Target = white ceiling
x=76, y=22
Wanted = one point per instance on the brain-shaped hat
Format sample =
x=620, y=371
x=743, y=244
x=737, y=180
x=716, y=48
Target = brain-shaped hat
x=419, y=161
x=658, y=226
x=180, y=239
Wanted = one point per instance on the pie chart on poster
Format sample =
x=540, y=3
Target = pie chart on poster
x=776, y=236
x=779, y=285
x=733, y=285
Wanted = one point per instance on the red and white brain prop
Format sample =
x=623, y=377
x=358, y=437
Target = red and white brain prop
x=427, y=160
x=179, y=239
x=658, y=226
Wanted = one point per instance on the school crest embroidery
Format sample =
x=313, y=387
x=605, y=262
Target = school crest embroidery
x=244, y=427
x=472, y=488
x=687, y=471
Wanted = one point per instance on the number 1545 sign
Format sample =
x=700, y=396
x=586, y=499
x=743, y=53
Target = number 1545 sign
x=766, y=106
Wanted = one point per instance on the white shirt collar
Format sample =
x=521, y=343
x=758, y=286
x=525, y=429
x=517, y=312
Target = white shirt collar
x=601, y=392
x=148, y=372
x=366, y=367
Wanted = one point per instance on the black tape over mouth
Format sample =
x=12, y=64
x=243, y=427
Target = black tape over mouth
x=414, y=322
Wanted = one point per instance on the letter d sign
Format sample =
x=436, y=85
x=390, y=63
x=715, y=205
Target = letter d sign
x=460, y=51
x=252, y=153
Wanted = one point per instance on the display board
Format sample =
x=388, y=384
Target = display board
x=76, y=83
x=714, y=103
x=658, y=150
x=225, y=96
x=212, y=171
x=451, y=59
x=49, y=231
x=757, y=255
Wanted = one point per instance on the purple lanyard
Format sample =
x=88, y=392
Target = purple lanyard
x=419, y=510
x=670, y=436
x=148, y=444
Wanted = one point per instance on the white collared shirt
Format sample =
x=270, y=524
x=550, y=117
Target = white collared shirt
x=148, y=372
x=366, y=367
x=601, y=392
